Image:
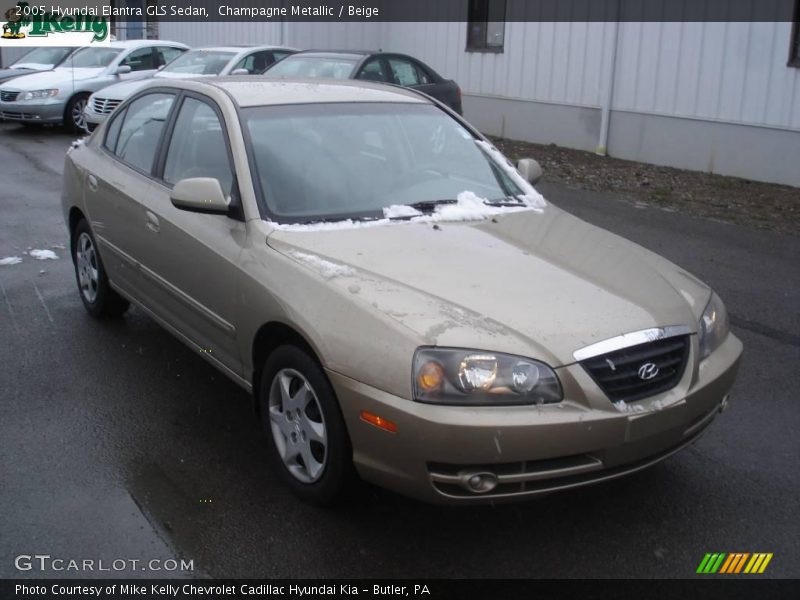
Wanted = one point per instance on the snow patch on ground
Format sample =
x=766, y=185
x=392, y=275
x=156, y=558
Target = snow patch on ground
x=10, y=260
x=79, y=142
x=43, y=254
x=326, y=268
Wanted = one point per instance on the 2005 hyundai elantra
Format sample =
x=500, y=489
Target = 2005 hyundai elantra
x=402, y=303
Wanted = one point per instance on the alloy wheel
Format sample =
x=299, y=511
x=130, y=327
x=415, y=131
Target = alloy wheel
x=86, y=264
x=298, y=426
x=78, y=118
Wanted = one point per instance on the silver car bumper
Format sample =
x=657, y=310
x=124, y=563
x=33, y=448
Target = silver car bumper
x=32, y=112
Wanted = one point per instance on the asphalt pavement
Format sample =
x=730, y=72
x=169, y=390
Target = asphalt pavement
x=118, y=442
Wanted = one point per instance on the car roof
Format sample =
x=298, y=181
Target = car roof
x=242, y=48
x=248, y=91
x=337, y=53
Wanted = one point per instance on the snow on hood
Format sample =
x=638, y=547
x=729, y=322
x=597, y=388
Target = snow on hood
x=40, y=81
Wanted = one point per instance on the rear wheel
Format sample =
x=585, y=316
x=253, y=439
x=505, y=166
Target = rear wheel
x=309, y=445
x=74, y=119
x=97, y=295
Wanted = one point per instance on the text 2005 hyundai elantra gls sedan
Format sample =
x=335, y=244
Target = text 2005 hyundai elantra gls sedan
x=402, y=303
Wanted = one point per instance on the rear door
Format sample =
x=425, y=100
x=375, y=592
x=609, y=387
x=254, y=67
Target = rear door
x=120, y=179
x=189, y=259
x=410, y=73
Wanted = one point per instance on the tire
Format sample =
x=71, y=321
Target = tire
x=74, y=120
x=316, y=435
x=99, y=299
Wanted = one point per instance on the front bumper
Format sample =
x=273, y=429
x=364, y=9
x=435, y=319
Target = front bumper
x=32, y=112
x=92, y=117
x=530, y=450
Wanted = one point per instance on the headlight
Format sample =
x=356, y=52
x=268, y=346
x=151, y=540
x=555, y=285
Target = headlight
x=38, y=94
x=475, y=377
x=714, y=326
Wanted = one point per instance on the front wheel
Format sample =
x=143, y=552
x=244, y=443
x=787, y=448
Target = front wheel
x=308, y=445
x=97, y=295
x=74, y=119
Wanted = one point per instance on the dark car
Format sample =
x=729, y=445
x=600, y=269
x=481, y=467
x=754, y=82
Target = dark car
x=38, y=59
x=385, y=67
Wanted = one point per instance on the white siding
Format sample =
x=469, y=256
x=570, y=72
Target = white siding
x=547, y=62
x=299, y=35
x=734, y=72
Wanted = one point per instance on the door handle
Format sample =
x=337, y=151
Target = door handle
x=152, y=222
x=91, y=180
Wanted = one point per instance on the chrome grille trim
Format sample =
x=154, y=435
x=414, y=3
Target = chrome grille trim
x=8, y=96
x=626, y=340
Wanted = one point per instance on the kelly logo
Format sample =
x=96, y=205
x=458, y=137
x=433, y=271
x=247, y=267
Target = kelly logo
x=35, y=22
x=734, y=563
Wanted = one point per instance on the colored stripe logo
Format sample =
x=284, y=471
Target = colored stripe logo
x=734, y=563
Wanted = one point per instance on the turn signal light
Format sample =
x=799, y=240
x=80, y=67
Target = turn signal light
x=431, y=377
x=379, y=422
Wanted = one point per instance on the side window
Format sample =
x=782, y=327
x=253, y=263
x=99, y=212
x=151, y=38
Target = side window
x=279, y=55
x=140, y=60
x=424, y=76
x=165, y=54
x=256, y=62
x=197, y=147
x=141, y=130
x=405, y=73
x=374, y=71
x=112, y=133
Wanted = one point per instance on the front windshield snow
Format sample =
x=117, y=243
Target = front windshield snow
x=329, y=162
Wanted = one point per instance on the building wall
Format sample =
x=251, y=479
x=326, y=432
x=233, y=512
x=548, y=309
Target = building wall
x=714, y=97
x=298, y=35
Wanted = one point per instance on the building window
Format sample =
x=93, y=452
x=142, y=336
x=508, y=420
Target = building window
x=794, y=51
x=486, y=25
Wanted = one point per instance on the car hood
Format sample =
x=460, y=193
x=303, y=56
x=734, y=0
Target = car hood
x=120, y=91
x=543, y=284
x=6, y=74
x=39, y=81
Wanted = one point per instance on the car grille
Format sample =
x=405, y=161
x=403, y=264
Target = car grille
x=6, y=96
x=629, y=374
x=18, y=116
x=104, y=106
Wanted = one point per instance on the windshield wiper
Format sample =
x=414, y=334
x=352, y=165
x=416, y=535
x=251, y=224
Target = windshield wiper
x=429, y=205
x=507, y=201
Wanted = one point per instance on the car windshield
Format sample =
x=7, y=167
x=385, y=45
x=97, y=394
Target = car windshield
x=199, y=62
x=92, y=58
x=336, y=161
x=329, y=67
x=43, y=56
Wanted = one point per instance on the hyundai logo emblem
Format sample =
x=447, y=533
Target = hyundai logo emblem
x=648, y=371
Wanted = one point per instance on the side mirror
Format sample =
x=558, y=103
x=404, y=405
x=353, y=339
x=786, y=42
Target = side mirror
x=530, y=170
x=122, y=70
x=200, y=194
x=240, y=72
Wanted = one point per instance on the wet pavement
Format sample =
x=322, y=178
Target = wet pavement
x=118, y=442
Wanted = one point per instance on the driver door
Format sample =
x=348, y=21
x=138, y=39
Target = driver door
x=190, y=259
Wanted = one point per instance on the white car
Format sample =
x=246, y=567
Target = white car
x=60, y=95
x=200, y=62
